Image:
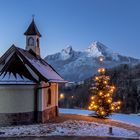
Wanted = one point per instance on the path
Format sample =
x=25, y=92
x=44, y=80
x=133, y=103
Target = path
x=68, y=138
x=64, y=117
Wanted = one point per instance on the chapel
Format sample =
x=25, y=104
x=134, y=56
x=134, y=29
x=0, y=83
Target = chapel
x=28, y=84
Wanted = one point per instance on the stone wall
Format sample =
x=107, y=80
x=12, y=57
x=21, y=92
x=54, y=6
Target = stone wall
x=16, y=118
x=50, y=113
x=28, y=117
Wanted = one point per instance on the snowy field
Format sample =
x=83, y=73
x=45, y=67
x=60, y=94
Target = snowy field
x=133, y=119
x=74, y=127
x=69, y=128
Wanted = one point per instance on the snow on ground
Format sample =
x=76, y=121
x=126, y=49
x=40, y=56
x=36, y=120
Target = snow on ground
x=75, y=111
x=74, y=127
x=69, y=128
x=133, y=119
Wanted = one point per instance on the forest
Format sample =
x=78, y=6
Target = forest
x=125, y=77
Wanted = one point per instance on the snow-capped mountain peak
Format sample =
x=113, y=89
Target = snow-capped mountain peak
x=67, y=50
x=93, y=50
x=66, y=53
x=79, y=65
x=97, y=49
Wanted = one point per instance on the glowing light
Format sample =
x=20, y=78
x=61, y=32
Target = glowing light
x=102, y=112
x=107, y=95
x=100, y=101
x=93, y=102
x=96, y=78
x=119, y=102
x=100, y=93
x=112, y=108
x=113, y=87
x=95, y=106
x=101, y=59
x=92, y=98
x=109, y=100
x=103, y=69
x=111, y=90
x=99, y=70
x=62, y=96
x=89, y=108
x=118, y=107
x=91, y=105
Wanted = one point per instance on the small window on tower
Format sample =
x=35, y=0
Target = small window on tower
x=48, y=97
x=31, y=41
x=37, y=42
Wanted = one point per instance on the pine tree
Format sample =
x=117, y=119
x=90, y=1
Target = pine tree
x=101, y=101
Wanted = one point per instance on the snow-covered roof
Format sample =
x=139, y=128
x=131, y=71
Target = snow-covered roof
x=19, y=64
x=10, y=78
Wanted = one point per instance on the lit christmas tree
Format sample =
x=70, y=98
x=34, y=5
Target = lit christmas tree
x=101, y=101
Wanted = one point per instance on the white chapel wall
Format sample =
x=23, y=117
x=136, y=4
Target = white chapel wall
x=42, y=104
x=16, y=98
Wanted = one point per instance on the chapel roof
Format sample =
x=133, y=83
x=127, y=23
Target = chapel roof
x=27, y=65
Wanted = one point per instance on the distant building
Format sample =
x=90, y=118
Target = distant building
x=69, y=84
x=28, y=84
x=80, y=83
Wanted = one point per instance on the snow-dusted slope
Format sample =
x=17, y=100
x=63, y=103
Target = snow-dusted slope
x=79, y=65
x=132, y=119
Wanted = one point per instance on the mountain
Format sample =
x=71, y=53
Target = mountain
x=78, y=65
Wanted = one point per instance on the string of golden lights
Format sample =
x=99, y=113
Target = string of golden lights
x=102, y=101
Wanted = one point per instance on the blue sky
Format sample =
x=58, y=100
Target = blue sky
x=115, y=23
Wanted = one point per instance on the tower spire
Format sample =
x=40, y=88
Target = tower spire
x=32, y=37
x=33, y=16
x=32, y=29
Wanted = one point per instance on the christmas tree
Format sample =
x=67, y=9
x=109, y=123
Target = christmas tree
x=101, y=100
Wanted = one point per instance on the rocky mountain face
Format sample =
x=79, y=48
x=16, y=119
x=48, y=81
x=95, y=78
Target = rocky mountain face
x=78, y=65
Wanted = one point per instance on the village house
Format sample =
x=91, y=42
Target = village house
x=28, y=84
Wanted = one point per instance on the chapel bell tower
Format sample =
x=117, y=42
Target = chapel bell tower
x=33, y=38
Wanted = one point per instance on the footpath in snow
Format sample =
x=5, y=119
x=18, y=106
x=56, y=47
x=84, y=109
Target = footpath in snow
x=133, y=119
x=74, y=127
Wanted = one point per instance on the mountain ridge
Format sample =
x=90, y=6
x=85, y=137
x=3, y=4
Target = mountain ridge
x=79, y=65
